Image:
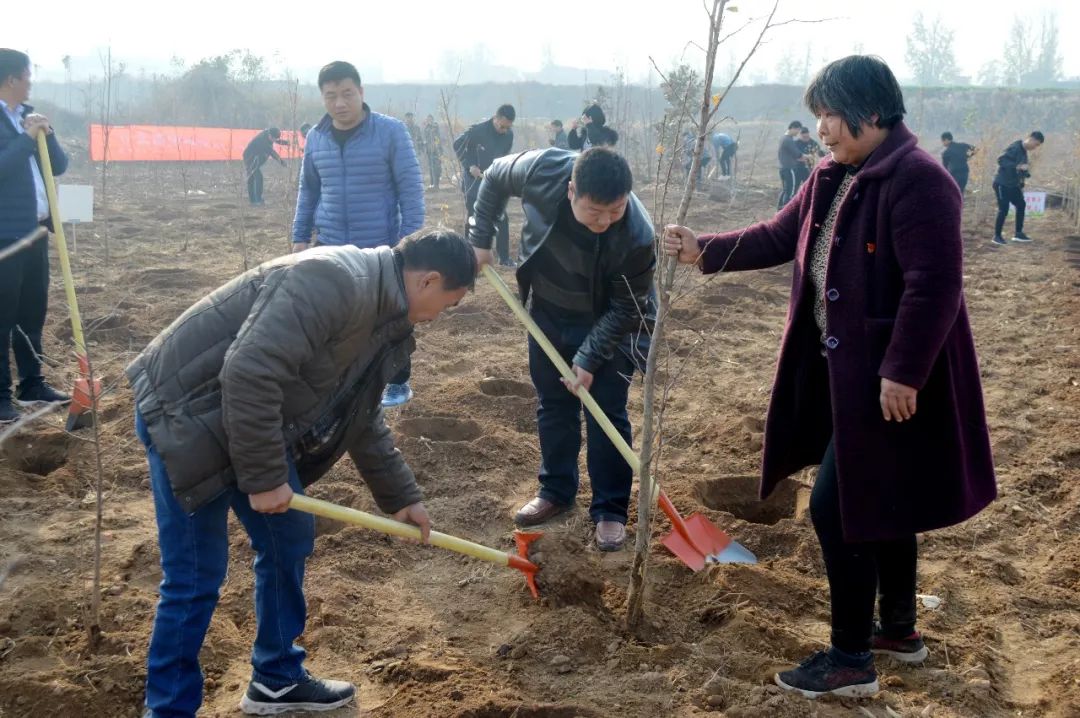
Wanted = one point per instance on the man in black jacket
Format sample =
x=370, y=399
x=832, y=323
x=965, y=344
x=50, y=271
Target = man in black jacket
x=260, y=149
x=955, y=158
x=24, y=276
x=1009, y=185
x=476, y=149
x=790, y=161
x=587, y=262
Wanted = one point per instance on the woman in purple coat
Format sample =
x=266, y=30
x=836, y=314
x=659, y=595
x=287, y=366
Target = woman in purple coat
x=877, y=379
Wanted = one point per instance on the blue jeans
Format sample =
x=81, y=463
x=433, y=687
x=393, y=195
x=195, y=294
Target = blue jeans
x=194, y=560
x=558, y=415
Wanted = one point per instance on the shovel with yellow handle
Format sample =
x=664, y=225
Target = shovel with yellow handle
x=80, y=413
x=384, y=525
x=695, y=540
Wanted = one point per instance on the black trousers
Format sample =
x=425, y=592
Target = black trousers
x=254, y=179
x=24, y=300
x=1005, y=197
x=860, y=571
x=961, y=177
x=502, y=224
x=789, y=180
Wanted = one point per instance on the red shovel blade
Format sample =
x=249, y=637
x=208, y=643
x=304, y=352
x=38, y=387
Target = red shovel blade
x=684, y=551
x=709, y=539
x=704, y=543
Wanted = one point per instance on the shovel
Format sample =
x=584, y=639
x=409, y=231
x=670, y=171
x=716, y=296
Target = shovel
x=695, y=541
x=518, y=560
x=80, y=412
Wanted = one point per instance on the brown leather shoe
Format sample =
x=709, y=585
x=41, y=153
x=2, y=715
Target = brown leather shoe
x=610, y=535
x=538, y=511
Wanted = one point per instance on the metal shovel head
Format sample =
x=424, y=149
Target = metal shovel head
x=80, y=412
x=707, y=544
x=683, y=551
x=717, y=546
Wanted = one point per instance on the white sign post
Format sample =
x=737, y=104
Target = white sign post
x=1036, y=202
x=76, y=206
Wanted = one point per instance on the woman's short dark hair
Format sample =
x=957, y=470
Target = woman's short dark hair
x=12, y=63
x=596, y=114
x=603, y=175
x=337, y=71
x=857, y=88
x=443, y=251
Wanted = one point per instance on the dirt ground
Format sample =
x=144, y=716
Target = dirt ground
x=424, y=632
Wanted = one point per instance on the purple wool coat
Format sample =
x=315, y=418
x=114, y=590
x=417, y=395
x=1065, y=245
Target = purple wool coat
x=895, y=309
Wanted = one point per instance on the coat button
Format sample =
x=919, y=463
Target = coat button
x=832, y=342
x=833, y=295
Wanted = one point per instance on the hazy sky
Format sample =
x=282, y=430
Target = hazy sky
x=408, y=39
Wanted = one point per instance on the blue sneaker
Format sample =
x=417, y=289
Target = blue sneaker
x=396, y=395
x=999, y=240
x=821, y=674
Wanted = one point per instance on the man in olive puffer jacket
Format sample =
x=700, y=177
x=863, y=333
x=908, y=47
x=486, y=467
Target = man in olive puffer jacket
x=252, y=394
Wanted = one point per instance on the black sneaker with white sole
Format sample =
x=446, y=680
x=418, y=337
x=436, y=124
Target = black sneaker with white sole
x=998, y=240
x=821, y=675
x=39, y=394
x=313, y=694
x=1021, y=237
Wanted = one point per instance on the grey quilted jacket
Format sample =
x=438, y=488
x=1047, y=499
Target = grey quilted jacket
x=260, y=365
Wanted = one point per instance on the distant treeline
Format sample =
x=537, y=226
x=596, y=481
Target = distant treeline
x=205, y=99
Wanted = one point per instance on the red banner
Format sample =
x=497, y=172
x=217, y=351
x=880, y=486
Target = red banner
x=152, y=143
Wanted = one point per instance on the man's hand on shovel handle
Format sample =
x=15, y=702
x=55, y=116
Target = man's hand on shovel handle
x=483, y=256
x=582, y=380
x=274, y=501
x=416, y=515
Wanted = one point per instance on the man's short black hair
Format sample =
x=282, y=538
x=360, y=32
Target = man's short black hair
x=443, y=251
x=946, y=136
x=273, y=132
x=337, y=71
x=506, y=111
x=12, y=63
x=794, y=125
x=556, y=123
x=1036, y=135
x=857, y=88
x=804, y=130
x=409, y=114
x=603, y=175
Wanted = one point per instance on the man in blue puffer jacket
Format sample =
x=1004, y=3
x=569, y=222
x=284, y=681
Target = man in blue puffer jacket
x=360, y=183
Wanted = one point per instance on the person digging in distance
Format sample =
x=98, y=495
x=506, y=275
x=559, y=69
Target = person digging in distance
x=586, y=272
x=877, y=379
x=248, y=397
